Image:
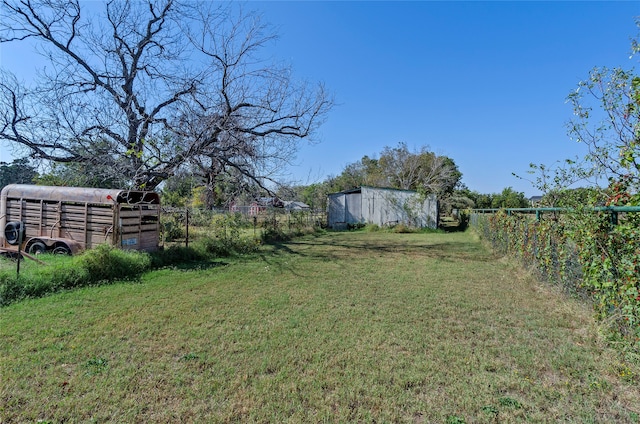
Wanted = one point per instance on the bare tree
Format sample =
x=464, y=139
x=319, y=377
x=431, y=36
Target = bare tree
x=420, y=170
x=144, y=89
x=401, y=166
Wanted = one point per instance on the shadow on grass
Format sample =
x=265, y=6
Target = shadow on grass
x=282, y=249
x=454, y=228
x=198, y=266
x=343, y=246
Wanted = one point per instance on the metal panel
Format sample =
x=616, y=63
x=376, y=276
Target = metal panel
x=336, y=212
x=353, y=208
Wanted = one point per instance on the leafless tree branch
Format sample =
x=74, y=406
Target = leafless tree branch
x=148, y=88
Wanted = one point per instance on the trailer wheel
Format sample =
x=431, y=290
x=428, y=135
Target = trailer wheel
x=62, y=249
x=12, y=232
x=37, y=248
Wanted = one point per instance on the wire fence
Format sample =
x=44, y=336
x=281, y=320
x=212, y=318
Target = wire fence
x=539, y=242
x=591, y=252
x=183, y=225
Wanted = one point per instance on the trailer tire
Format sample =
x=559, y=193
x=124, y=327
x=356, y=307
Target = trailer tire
x=12, y=232
x=62, y=249
x=37, y=248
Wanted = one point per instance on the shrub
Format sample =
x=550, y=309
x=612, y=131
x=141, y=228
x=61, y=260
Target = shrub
x=372, y=228
x=173, y=227
x=11, y=289
x=101, y=265
x=274, y=234
x=463, y=220
x=107, y=263
x=403, y=228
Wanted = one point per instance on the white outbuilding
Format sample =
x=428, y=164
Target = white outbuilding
x=383, y=207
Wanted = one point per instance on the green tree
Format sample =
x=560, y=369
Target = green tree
x=509, y=198
x=574, y=197
x=178, y=190
x=420, y=170
x=606, y=108
x=484, y=201
x=19, y=171
x=606, y=120
x=611, y=96
x=81, y=175
x=480, y=201
x=315, y=195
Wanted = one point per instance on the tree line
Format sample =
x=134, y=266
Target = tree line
x=396, y=167
x=399, y=167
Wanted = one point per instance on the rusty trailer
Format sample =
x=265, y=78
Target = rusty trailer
x=66, y=220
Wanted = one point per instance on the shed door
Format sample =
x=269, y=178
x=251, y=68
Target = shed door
x=336, y=209
x=353, y=208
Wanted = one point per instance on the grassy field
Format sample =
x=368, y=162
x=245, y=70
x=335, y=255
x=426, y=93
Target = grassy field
x=345, y=327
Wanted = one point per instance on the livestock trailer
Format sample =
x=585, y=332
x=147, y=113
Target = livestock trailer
x=37, y=219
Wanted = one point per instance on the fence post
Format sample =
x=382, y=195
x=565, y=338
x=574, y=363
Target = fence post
x=613, y=218
x=21, y=231
x=187, y=227
x=255, y=223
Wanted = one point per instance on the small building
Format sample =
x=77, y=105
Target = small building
x=252, y=209
x=290, y=205
x=256, y=206
x=383, y=207
x=534, y=201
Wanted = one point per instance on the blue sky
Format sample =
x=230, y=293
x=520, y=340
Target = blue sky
x=484, y=83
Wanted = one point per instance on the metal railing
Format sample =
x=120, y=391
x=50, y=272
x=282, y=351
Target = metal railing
x=613, y=211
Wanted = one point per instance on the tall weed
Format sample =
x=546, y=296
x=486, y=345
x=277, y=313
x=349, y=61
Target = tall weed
x=101, y=265
x=107, y=263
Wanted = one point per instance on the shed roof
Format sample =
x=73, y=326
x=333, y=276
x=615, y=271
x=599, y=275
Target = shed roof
x=359, y=190
x=295, y=205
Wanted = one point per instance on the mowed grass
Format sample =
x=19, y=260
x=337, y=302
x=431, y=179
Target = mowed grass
x=345, y=327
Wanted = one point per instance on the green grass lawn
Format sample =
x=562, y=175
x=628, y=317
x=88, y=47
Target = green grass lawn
x=345, y=327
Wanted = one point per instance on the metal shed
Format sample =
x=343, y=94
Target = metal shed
x=69, y=219
x=381, y=206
